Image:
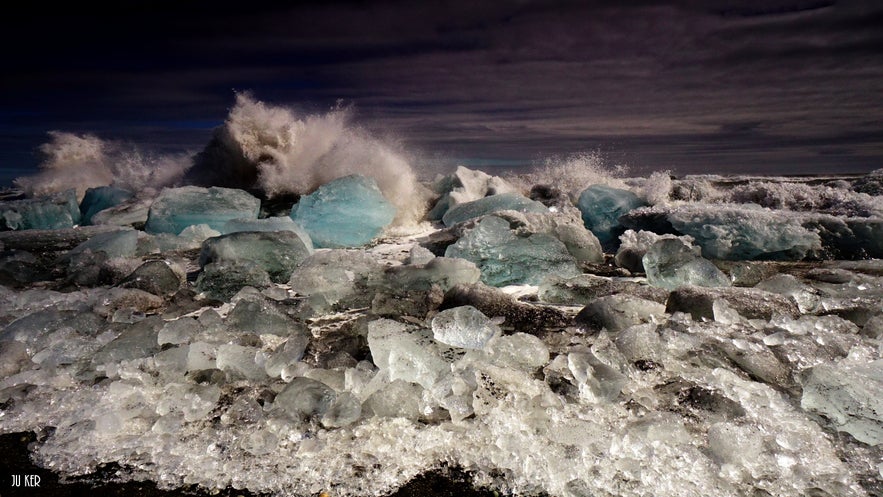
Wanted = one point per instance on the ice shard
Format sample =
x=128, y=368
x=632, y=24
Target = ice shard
x=44, y=213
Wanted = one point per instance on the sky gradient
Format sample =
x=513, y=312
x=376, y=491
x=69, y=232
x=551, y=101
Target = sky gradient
x=772, y=86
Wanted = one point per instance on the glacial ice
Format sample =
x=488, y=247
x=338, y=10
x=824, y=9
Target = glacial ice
x=278, y=223
x=53, y=212
x=177, y=208
x=347, y=212
x=601, y=207
x=618, y=312
x=465, y=185
x=850, y=395
x=335, y=276
x=405, y=353
x=276, y=252
x=465, y=327
x=488, y=205
x=506, y=259
x=634, y=244
x=121, y=243
x=748, y=302
x=97, y=199
x=670, y=264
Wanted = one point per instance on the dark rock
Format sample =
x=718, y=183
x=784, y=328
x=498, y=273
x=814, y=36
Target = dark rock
x=156, y=277
x=748, y=302
x=518, y=316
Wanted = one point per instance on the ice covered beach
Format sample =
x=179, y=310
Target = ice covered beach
x=623, y=337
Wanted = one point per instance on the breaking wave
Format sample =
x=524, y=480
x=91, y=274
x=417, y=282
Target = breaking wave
x=86, y=161
x=273, y=149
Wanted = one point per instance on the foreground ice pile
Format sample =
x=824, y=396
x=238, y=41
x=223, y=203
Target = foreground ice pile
x=234, y=353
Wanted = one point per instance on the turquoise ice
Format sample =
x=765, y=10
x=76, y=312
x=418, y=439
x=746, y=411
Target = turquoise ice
x=100, y=198
x=347, y=212
x=601, y=207
x=488, y=205
x=178, y=208
x=56, y=211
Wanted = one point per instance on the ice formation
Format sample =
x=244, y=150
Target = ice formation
x=103, y=197
x=350, y=371
x=670, y=264
x=490, y=204
x=601, y=207
x=59, y=210
x=507, y=259
x=465, y=185
x=346, y=212
x=178, y=208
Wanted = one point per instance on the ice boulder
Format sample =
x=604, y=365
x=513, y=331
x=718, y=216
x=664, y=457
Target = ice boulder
x=504, y=258
x=465, y=327
x=601, y=206
x=277, y=252
x=97, y=199
x=407, y=354
x=56, y=211
x=119, y=243
x=744, y=232
x=178, y=208
x=465, y=185
x=670, y=264
x=338, y=276
x=566, y=226
x=634, y=244
x=488, y=205
x=132, y=212
x=347, y=212
x=850, y=395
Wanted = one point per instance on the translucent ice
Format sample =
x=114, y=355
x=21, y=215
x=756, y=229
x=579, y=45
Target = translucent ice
x=601, y=207
x=277, y=252
x=121, y=243
x=807, y=297
x=100, y=198
x=634, y=244
x=406, y=354
x=465, y=327
x=281, y=223
x=670, y=264
x=177, y=208
x=304, y=398
x=488, y=205
x=850, y=395
x=743, y=232
x=506, y=259
x=347, y=212
x=330, y=277
x=45, y=213
x=465, y=185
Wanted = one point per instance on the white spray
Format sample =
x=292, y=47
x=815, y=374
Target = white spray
x=86, y=161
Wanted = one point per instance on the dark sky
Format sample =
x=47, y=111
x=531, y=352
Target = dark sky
x=779, y=86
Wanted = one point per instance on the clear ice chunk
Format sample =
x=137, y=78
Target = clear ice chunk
x=335, y=276
x=304, y=398
x=278, y=223
x=507, y=259
x=671, y=264
x=406, y=354
x=276, y=252
x=465, y=327
x=241, y=362
x=177, y=208
x=97, y=199
x=57, y=211
x=807, y=297
x=850, y=395
x=634, y=244
x=347, y=212
x=601, y=206
x=488, y=205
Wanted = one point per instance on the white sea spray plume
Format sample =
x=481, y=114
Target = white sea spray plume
x=87, y=161
x=280, y=152
x=574, y=173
